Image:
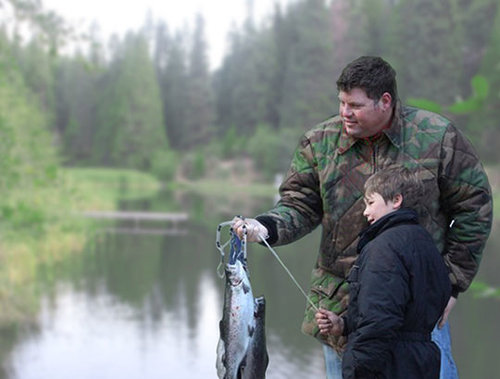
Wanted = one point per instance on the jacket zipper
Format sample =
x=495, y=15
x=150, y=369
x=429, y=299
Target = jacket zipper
x=374, y=163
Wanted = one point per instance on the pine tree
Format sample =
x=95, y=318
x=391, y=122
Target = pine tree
x=199, y=115
x=309, y=83
x=425, y=50
x=170, y=61
x=129, y=114
x=245, y=83
x=37, y=67
x=76, y=94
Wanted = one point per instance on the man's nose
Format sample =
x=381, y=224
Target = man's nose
x=346, y=111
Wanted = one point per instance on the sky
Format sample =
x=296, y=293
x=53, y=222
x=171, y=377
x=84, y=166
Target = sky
x=118, y=16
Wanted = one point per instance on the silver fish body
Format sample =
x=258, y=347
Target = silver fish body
x=238, y=323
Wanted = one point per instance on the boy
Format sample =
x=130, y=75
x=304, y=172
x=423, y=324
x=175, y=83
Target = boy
x=398, y=287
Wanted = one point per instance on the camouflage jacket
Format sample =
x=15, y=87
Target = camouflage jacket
x=324, y=185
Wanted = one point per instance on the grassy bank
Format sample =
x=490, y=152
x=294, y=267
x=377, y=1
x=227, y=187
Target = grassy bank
x=100, y=188
x=216, y=188
x=42, y=226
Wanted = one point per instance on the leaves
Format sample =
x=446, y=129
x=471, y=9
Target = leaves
x=483, y=290
x=480, y=88
x=425, y=104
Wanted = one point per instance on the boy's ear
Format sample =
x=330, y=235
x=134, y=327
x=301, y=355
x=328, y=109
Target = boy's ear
x=397, y=201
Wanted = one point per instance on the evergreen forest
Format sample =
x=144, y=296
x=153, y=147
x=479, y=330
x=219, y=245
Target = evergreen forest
x=148, y=100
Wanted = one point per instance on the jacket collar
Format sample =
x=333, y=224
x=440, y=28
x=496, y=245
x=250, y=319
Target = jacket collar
x=393, y=133
x=401, y=216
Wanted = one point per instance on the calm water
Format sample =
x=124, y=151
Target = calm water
x=148, y=306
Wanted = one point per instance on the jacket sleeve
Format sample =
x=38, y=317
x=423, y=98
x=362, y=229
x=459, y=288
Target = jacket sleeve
x=466, y=199
x=381, y=298
x=299, y=209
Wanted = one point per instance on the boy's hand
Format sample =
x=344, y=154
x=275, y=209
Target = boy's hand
x=447, y=310
x=329, y=323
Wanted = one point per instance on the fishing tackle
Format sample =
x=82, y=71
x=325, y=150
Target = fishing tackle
x=238, y=247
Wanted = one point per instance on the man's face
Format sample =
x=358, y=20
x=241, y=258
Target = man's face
x=363, y=117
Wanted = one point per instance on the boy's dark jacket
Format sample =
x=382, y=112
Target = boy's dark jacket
x=399, y=287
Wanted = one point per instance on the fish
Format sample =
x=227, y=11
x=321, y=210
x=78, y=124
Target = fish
x=257, y=358
x=241, y=350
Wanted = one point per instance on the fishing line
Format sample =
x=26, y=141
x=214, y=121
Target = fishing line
x=263, y=239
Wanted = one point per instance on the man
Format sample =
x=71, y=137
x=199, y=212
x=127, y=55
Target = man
x=325, y=186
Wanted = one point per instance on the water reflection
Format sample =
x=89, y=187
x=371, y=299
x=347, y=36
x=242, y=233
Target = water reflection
x=95, y=336
x=149, y=307
x=138, y=306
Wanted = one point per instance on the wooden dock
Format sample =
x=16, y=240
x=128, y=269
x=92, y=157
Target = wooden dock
x=173, y=219
x=130, y=215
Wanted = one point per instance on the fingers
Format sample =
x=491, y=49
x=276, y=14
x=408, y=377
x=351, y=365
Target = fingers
x=324, y=326
x=238, y=226
x=252, y=232
x=254, y=229
x=237, y=223
x=329, y=323
x=323, y=321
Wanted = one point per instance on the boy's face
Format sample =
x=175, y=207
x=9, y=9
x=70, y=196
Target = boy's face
x=376, y=207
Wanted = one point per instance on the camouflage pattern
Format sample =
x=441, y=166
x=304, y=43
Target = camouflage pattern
x=325, y=186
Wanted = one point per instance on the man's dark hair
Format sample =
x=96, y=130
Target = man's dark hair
x=372, y=74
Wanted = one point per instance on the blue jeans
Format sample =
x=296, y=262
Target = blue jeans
x=333, y=362
x=442, y=338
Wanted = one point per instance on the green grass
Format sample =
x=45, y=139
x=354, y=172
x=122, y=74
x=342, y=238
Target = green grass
x=100, y=188
x=223, y=188
x=112, y=177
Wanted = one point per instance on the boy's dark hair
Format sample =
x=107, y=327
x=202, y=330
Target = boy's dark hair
x=372, y=74
x=393, y=180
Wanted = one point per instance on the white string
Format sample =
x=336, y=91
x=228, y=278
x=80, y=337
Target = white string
x=263, y=239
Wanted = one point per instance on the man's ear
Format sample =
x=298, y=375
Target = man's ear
x=386, y=101
x=397, y=201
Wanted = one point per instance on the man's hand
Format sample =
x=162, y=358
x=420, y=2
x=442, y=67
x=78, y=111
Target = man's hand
x=447, y=310
x=254, y=228
x=329, y=323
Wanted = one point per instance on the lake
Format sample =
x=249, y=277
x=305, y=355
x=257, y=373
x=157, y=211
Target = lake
x=145, y=305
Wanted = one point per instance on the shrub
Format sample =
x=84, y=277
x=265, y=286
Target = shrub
x=272, y=150
x=164, y=165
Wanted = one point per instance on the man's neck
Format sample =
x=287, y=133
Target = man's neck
x=385, y=126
